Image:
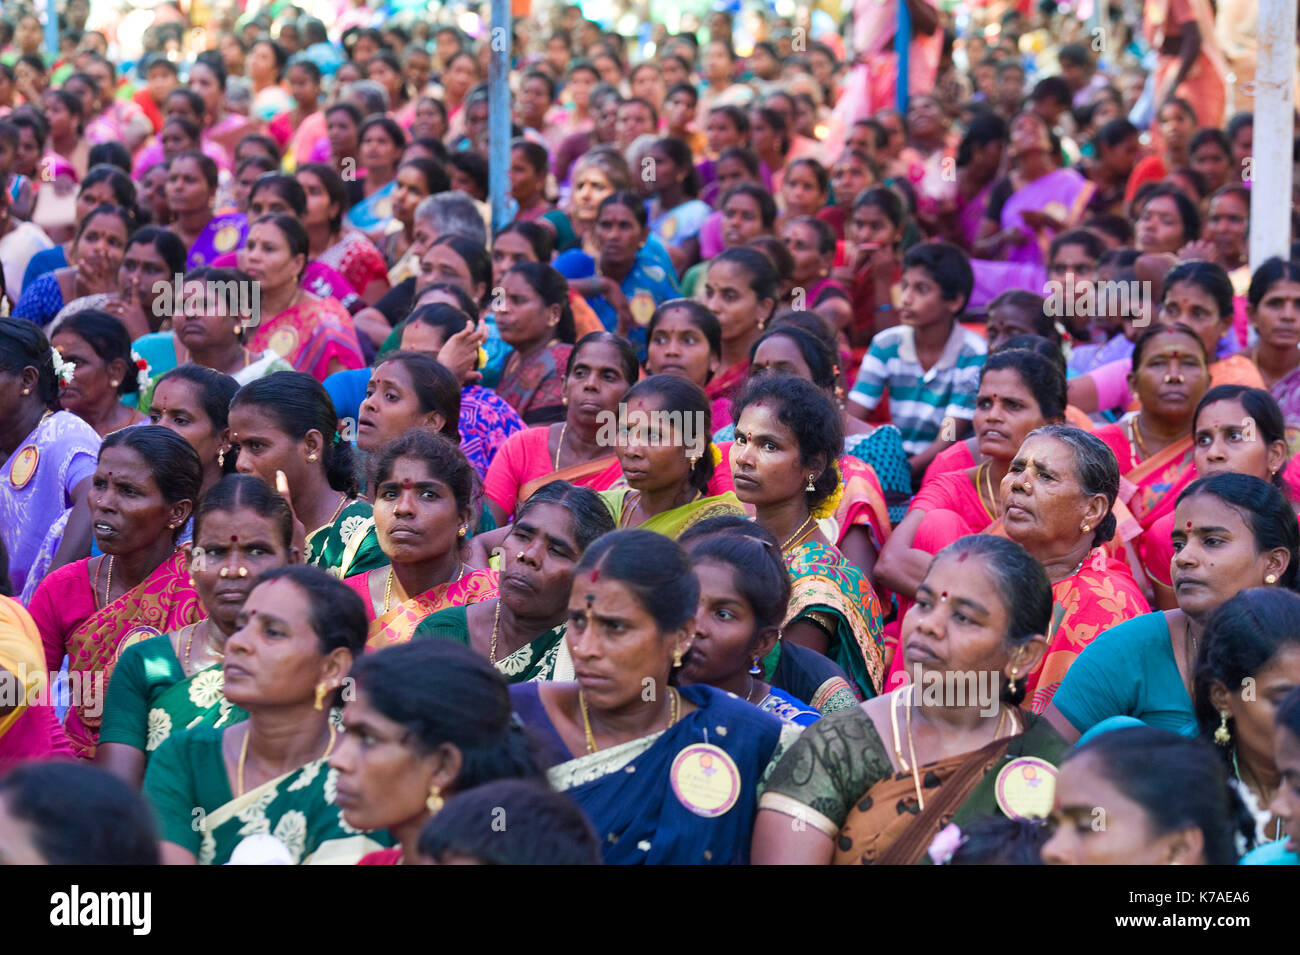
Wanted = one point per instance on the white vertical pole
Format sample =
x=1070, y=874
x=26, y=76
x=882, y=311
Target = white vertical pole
x=1271, y=169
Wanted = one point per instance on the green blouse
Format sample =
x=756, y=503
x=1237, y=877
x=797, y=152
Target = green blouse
x=545, y=658
x=348, y=545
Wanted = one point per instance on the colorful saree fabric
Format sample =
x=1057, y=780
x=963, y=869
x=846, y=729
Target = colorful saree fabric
x=224, y=233
x=151, y=697
x=36, y=485
x=1101, y=595
x=311, y=336
x=1149, y=488
x=839, y=778
x=347, y=546
x=187, y=773
x=535, y=388
x=805, y=674
x=30, y=729
x=391, y=627
x=674, y=522
x=545, y=658
x=64, y=608
x=642, y=809
x=372, y=214
x=839, y=599
x=787, y=709
x=524, y=463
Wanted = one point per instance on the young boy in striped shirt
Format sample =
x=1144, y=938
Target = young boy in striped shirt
x=929, y=362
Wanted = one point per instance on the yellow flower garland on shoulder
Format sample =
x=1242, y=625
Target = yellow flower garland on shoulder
x=828, y=507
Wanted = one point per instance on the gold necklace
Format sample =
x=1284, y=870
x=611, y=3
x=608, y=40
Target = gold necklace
x=185, y=664
x=388, y=584
x=984, y=472
x=108, y=586
x=911, y=744
x=243, y=756
x=496, y=623
x=1141, y=445
x=673, y=704
x=560, y=445
x=797, y=534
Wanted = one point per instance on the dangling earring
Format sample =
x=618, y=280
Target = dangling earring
x=221, y=458
x=1012, y=688
x=677, y=658
x=1271, y=579
x=1223, y=736
x=756, y=670
x=810, y=486
x=435, y=800
x=321, y=690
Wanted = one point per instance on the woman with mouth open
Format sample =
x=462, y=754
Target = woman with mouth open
x=666, y=775
x=174, y=682
x=788, y=438
x=422, y=486
x=141, y=495
x=667, y=460
x=876, y=783
x=299, y=633
x=521, y=632
x=1231, y=532
x=428, y=720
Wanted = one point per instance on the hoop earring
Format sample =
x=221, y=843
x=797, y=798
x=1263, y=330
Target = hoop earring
x=435, y=800
x=1222, y=735
x=321, y=690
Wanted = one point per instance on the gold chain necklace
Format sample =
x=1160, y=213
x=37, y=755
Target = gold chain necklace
x=388, y=584
x=496, y=623
x=559, y=446
x=108, y=586
x=1137, y=442
x=673, y=706
x=985, y=473
x=243, y=756
x=797, y=534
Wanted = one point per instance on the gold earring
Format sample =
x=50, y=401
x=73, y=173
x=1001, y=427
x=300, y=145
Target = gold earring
x=27, y=391
x=1222, y=735
x=221, y=458
x=1085, y=528
x=311, y=458
x=462, y=531
x=435, y=800
x=810, y=486
x=677, y=657
x=1271, y=579
x=115, y=383
x=321, y=690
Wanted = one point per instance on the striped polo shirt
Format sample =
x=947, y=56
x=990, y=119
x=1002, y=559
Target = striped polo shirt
x=920, y=399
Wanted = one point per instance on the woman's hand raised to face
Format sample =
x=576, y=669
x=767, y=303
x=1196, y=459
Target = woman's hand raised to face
x=299, y=531
x=459, y=353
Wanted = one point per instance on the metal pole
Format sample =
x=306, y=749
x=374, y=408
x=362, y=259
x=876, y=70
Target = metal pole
x=499, y=115
x=902, y=46
x=1270, y=171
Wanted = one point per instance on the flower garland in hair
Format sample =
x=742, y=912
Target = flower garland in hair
x=946, y=843
x=715, y=454
x=63, y=370
x=827, y=507
x=142, y=379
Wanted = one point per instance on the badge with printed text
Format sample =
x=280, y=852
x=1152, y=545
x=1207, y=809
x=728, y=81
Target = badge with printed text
x=283, y=341
x=24, y=467
x=133, y=636
x=705, y=780
x=226, y=239
x=1025, y=788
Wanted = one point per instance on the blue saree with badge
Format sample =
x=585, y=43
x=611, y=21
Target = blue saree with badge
x=670, y=798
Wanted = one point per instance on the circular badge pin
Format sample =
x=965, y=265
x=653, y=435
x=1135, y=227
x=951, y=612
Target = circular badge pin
x=642, y=307
x=133, y=636
x=24, y=467
x=705, y=780
x=283, y=342
x=1025, y=788
x=668, y=229
x=226, y=239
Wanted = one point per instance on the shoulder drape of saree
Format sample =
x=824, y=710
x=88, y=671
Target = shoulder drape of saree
x=574, y=473
x=1142, y=479
x=398, y=625
x=588, y=768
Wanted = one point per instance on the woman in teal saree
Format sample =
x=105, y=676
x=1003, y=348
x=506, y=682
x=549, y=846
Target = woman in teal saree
x=521, y=632
x=213, y=787
x=174, y=682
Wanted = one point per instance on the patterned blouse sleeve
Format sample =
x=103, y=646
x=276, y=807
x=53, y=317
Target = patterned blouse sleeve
x=826, y=770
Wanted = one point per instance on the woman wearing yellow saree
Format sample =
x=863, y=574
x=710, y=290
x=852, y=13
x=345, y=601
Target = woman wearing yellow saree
x=422, y=488
x=299, y=633
x=141, y=495
x=667, y=460
x=286, y=423
x=174, y=682
x=788, y=437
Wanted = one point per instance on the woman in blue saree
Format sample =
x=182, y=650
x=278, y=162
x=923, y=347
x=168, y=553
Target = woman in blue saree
x=666, y=775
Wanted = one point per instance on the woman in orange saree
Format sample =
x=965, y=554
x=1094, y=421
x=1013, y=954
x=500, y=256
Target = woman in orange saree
x=141, y=496
x=315, y=335
x=423, y=486
x=1153, y=445
x=602, y=367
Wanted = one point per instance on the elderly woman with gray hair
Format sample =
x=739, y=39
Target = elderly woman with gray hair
x=1057, y=502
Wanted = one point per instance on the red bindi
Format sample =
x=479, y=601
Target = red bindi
x=234, y=539
x=407, y=484
x=1189, y=525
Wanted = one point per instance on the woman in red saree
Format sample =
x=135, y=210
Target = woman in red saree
x=314, y=335
x=602, y=367
x=1057, y=500
x=1153, y=445
x=423, y=486
x=141, y=496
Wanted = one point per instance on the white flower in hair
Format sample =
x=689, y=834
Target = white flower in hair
x=142, y=379
x=1260, y=815
x=63, y=370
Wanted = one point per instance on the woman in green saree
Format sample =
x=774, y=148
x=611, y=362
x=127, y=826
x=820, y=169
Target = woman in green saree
x=662, y=445
x=876, y=784
x=422, y=488
x=285, y=423
x=788, y=437
x=211, y=787
x=174, y=682
x=427, y=720
x=521, y=632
